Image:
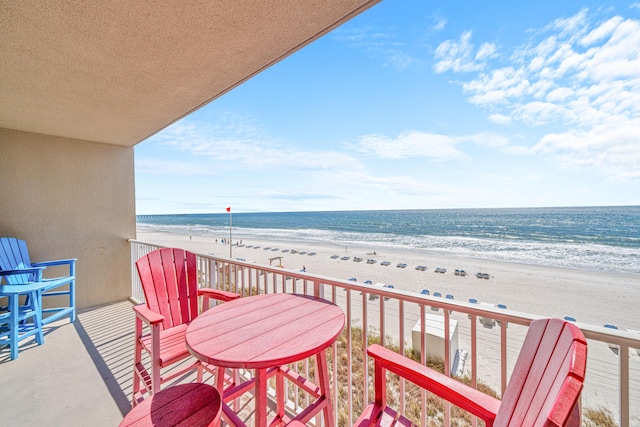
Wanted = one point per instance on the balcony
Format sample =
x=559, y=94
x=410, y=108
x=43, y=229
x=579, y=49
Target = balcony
x=84, y=371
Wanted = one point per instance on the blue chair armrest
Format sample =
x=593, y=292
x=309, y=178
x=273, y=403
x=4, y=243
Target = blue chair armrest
x=33, y=270
x=20, y=289
x=69, y=262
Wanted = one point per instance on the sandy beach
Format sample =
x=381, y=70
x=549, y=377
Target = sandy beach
x=594, y=298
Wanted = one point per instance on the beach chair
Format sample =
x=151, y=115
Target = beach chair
x=502, y=307
x=472, y=301
x=169, y=280
x=614, y=347
x=438, y=295
x=449, y=296
x=17, y=269
x=635, y=332
x=487, y=322
x=543, y=390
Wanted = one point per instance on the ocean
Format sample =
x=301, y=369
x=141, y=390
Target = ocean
x=587, y=238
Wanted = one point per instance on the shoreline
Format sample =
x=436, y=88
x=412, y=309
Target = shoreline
x=381, y=246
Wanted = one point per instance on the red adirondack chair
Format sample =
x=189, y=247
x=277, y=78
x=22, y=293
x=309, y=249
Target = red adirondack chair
x=543, y=390
x=170, y=282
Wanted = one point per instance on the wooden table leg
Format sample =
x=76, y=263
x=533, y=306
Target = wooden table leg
x=220, y=378
x=325, y=387
x=281, y=395
x=261, y=398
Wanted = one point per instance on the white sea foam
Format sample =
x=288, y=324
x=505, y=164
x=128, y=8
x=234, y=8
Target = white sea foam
x=585, y=256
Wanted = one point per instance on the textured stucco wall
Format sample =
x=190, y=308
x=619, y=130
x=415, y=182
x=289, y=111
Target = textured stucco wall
x=71, y=199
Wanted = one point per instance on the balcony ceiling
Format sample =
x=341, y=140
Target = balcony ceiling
x=119, y=71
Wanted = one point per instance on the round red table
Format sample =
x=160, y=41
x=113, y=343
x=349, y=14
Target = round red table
x=267, y=331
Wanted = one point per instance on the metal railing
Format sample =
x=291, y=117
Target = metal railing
x=407, y=321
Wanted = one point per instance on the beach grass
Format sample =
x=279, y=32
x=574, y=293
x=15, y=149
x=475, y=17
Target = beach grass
x=433, y=410
x=599, y=417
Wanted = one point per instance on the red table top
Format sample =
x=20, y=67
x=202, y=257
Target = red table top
x=263, y=331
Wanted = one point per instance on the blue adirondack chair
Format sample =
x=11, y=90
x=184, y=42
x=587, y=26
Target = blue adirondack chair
x=16, y=268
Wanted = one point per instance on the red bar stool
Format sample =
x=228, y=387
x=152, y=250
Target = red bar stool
x=193, y=405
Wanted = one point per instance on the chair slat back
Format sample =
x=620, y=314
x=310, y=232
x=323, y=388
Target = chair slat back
x=169, y=279
x=547, y=378
x=15, y=256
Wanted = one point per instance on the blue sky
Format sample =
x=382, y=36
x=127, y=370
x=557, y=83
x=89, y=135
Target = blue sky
x=420, y=105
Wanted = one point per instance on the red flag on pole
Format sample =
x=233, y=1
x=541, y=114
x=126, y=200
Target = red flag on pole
x=229, y=209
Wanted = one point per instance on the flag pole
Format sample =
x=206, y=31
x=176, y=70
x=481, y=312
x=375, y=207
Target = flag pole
x=230, y=241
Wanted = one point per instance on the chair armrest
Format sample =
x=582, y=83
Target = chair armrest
x=150, y=317
x=71, y=262
x=56, y=262
x=217, y=294
x=461, y=395
x=21, y=289
x=33, y=270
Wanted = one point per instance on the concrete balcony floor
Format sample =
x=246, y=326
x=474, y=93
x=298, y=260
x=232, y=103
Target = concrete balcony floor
x=81, y=376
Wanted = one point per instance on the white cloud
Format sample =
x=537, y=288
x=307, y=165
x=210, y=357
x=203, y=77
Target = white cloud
x=152, y=166
x=398, y=59
x=439, y=24
x=405, y=185
x=458, y=55
x=376, y=43
x=571, y=27
x=614, y=149
x=576, y=74
x=500, y=119
x=498, y=87
x=232, y=142
x=559, y=94
x=496, y=141
x=618, y=57
x=603, y=31
x=410, y=144
x=435, y=147
x=537, y=112
x=360, y=182
x=486, y=51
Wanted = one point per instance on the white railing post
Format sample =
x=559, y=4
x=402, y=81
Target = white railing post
x=623, y=357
